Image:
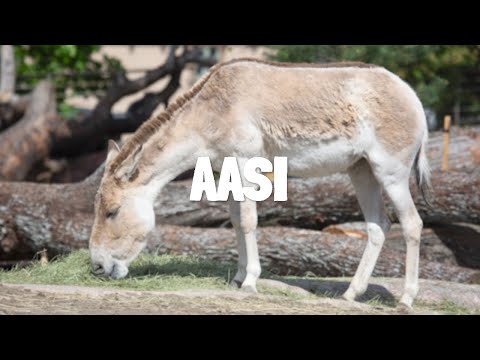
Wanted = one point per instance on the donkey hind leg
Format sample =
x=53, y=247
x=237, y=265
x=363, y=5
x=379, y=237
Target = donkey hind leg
x=399, y=193
x=369, y=195
x=243, y=215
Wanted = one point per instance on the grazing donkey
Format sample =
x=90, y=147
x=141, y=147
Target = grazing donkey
x=345, y=117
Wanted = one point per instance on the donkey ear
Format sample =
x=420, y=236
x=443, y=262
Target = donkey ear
x=113, y=146
x=129, y=166
x=113, y=150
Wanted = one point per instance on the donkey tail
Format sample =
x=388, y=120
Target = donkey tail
x=422, y=169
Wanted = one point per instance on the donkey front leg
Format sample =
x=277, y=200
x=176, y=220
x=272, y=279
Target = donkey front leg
x=244, y=219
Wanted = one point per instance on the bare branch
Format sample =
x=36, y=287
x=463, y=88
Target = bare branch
x=88, y=133
x=123, y=87
x=143, y=109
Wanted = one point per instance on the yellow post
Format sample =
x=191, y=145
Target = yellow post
x=446, y=137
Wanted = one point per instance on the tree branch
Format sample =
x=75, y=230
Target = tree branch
x=143, y=109
x=123, y=87
x=71, y=137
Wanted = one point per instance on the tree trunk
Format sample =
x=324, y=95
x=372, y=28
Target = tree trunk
x=447, y=243
x=289, y=251
x=59, y=218
x=7, y=72
x=28, y=141
x=313, y=203
x=36, y=216
x=316, y=203
x=12, y=107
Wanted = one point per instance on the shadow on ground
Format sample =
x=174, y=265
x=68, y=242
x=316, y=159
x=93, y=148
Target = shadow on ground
x=335, y=289
x=181, y=267
x=322, y=288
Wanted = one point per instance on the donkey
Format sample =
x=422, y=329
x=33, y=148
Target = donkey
x=341, y=117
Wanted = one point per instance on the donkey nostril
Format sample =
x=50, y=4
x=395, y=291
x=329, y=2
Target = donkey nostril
x=98, y=269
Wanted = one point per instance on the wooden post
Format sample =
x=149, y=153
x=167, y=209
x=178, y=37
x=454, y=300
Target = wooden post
x=446, y=137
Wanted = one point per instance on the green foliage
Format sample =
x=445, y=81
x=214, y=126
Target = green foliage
x=437, y=72
x=67, y=111
x=71, y=67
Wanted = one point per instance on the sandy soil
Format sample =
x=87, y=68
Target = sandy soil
x=55, y=299
x=20, y=299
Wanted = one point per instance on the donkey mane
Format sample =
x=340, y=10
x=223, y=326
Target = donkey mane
x=151, y=126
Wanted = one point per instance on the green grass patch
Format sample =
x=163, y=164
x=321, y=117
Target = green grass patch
x=173, y=273
x=147, y=272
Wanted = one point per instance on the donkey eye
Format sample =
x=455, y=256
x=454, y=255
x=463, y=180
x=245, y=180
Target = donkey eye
x=112, y=213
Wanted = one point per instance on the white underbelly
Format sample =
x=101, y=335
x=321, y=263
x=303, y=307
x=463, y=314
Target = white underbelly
x=318, y=159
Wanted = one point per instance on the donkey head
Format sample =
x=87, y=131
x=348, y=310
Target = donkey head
x=123, y=216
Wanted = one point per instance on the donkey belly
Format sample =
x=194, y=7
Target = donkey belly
x=319, y=159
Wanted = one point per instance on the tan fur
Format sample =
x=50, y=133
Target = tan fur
x=395, y=118
x=329, y=118
x=305, y=104
x=108, y=234
x=219, y=95
x=105, y=200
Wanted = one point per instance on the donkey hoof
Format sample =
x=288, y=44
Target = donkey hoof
x=403, y=308
x=406, y=301
x=251, y=289
x=349, y=295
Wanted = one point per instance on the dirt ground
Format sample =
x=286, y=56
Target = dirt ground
x=435, y=298
x=19, y=299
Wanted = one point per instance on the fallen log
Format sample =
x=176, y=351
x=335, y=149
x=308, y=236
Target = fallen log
x=316, y=203
x=462, y=149
x=288, y=251
x=40, y=133
x=284, y=251
x=59, y=218
x=450, y=244
x=313, y=203
x=27, y=141
x=36, y=216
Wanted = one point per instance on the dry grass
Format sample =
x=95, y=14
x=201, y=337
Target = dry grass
x=164, y=284
x=148, y=272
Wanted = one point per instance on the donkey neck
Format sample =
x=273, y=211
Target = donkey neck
x=172, y=150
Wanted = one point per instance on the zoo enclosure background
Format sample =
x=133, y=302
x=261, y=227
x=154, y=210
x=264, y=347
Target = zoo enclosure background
x=447, y=77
